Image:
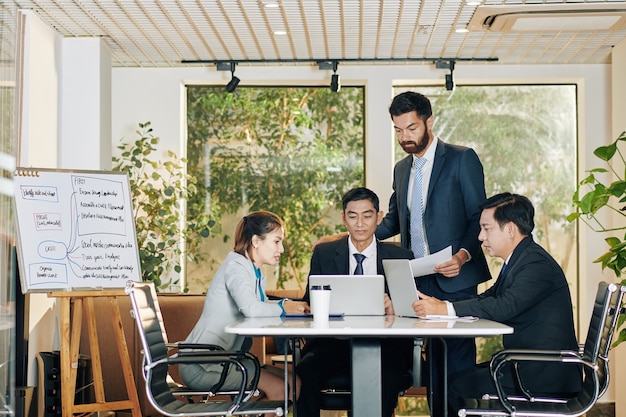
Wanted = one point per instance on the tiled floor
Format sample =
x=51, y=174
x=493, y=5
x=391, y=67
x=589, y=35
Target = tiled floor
x=600, y=410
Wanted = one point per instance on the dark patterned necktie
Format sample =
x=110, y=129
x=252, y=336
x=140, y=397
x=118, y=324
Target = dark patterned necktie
x=359, y=263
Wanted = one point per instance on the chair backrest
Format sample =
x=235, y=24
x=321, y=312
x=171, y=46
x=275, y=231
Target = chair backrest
x=610, y=327
x=599, y=322
x=149, y=322
x=602, y=327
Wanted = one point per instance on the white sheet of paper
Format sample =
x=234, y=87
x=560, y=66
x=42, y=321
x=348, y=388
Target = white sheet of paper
x=426, y=265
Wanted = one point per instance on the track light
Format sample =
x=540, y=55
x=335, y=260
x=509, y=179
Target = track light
x=449, y=82
x=335, y=80
x=447, y=64
x=229, y=66
x=335, y=83
x=233, y=83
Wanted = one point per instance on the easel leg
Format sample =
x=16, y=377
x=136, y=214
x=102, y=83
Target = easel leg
x=124, y=357
x=70, y=340
x=94, y=348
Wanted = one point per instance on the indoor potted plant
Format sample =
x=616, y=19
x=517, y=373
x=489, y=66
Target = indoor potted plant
x=594, y=195
x=160, y=190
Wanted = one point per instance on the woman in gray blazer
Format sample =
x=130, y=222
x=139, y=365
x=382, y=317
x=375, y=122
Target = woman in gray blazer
x=237, y=291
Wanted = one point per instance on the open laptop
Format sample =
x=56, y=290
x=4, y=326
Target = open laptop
x=401, y=285
x=354, y=295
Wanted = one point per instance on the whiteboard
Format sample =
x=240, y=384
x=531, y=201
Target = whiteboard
x=75, y=230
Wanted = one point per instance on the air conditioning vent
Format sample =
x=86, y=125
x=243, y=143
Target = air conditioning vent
x=550, y=17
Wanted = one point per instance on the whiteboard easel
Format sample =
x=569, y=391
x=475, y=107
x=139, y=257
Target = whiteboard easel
x=77, y=241
x=76, y=230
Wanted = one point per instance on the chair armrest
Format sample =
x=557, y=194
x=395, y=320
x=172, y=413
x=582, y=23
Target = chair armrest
x=205, y=350
x=512, y=355
x=204, y=346
x=229, y=356
x=207, y=359
x=520, y=355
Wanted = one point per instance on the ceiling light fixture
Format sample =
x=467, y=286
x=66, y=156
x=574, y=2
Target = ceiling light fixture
x=449, y=65
x=229, y=66
x=335, y=80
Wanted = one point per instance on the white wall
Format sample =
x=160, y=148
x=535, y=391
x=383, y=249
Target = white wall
x=65, y=124
x=39, y=148
x=85, y=111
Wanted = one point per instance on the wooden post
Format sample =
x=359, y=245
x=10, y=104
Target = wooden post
x=70, y=340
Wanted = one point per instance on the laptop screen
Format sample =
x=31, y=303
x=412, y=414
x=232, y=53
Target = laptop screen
x=354, y=295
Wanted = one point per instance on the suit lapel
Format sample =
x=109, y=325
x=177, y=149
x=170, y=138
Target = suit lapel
x=401, y=188
x=438, y=163
x=379, y=258
x=506, y=279
x=404, y=170
x=341, y=257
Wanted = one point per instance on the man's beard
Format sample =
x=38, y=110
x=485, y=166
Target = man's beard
x=416, y=147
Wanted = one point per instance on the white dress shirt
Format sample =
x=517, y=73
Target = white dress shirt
x=369, y=263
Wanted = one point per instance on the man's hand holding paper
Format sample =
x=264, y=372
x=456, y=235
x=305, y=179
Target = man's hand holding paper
x=441, y=262
x=452, y=267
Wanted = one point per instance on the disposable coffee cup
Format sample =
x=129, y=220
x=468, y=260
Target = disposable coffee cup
x=320, y=303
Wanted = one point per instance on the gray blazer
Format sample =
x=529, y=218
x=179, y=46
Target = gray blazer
x=232, y=295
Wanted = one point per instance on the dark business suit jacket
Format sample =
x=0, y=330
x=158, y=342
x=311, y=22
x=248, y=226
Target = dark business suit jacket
x=533, y=297
x=332, y=258
x=326, y=358
x=451, y=215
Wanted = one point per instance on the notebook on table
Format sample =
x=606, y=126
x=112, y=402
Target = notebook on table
x=354, y=295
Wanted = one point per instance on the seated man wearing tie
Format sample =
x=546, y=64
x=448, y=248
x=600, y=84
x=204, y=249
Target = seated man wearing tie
x=360, y=254
x=531, y=295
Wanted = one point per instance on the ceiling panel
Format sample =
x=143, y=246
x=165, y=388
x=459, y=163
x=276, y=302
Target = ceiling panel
x=169, y=33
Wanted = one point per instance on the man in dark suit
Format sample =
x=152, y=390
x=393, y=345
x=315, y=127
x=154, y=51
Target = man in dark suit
x=531, y=295
x=323, y=358
x=438, y=210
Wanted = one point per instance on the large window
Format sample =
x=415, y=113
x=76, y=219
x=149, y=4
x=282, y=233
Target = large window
x=525, y=136
x=293, y=151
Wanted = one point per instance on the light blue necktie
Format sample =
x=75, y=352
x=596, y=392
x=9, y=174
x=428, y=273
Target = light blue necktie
x=417, y=209
x=359, y=263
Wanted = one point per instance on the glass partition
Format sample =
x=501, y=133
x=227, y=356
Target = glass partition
x=8, y=51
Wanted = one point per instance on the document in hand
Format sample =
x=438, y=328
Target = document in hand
x=426, y=265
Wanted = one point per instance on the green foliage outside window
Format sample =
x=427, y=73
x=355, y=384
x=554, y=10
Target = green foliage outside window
x=293, y=151
x=525, y=137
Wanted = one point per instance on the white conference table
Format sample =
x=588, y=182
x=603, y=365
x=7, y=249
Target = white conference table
x=365, y=333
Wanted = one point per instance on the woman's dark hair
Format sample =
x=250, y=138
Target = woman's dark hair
x=512, y=208
x=257, y=223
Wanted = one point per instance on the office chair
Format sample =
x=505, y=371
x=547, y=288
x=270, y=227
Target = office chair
x=178, y=389
x=593, y=358
x=157, y=360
